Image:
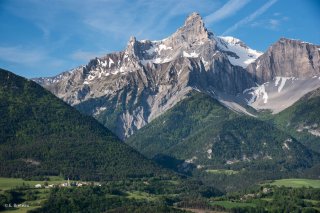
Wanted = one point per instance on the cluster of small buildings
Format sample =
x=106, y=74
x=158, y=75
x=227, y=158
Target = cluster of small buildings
x=67, y=184
x=252, y=196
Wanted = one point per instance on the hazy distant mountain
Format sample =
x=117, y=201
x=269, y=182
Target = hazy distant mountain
x=126, y=90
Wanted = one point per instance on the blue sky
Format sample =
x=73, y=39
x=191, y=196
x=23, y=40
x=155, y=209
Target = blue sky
x=46, y=37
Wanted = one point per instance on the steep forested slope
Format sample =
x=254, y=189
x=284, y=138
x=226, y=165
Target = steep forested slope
x=303, y=120
x=41, y=135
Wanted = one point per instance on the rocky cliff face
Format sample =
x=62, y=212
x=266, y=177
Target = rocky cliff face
x=284, y=73
x=287, y=58
x=128, y=89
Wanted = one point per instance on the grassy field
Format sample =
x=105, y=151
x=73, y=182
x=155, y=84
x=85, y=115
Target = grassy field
x=297, y=183
x=230, y=204
x=267, y=199
x=314, y=202
x=20, y=210
x=222, y=171
x=141, y=196
x=10, y=183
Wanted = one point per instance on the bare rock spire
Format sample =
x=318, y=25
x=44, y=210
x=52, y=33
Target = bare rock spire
x=193, y=29
x=132, y=46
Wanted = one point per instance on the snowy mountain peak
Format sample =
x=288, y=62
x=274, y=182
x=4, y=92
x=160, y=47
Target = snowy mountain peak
x=192, y=40
x=238, y=52
x=233, y=41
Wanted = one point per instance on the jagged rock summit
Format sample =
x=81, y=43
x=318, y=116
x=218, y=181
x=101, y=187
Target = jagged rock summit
x=126, y=90
x=193, y=30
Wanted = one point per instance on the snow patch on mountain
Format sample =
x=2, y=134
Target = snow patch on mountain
x=243, y=54
x=280, y=93
x=282, y=81
x=104, y=64
x=157, y=48
x=190, y=55
x=110, y=62
x=257, y=92
x=164, y=47
x=156, y=61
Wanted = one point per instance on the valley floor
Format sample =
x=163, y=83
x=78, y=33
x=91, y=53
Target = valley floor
x=156, y=195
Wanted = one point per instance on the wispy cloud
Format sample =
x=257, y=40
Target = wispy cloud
x=119, y=18
x=228, y=9
x=76, y=31
x=85, y=55
x=19, y=55
x=274, y=23
x=251, y=17
x=31, y=58
x=73, y=30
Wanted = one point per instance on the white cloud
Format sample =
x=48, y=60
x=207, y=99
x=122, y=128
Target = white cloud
x=251, y=17
x=228, y=9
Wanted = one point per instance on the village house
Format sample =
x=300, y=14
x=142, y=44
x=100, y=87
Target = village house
x=38, y=186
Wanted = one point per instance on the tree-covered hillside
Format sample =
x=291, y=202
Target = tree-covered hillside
x=41, y=135
x=209, y=136
x=303, y=120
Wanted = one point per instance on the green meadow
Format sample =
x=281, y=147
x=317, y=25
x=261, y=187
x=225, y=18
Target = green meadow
x=297, y=183
x=42, y=194
x=222, y=171
x=10, y=183
x=230, y=204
